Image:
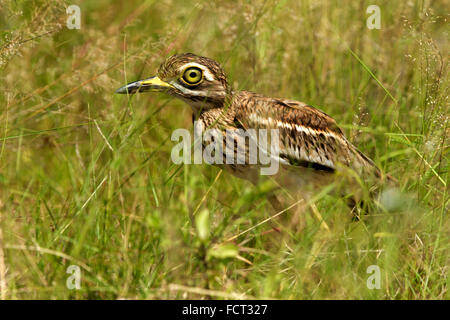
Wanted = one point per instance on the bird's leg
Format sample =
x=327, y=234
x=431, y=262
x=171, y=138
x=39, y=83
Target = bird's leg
x=288, y=209
x=298, y=220
x=293, y=212
x=358, y=207
x=276, y=205
x=275, y=202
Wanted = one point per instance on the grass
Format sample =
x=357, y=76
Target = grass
x=86, y=177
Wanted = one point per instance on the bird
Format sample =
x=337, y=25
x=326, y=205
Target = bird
x=312, y=150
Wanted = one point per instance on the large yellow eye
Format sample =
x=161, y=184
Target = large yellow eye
x=192, y=76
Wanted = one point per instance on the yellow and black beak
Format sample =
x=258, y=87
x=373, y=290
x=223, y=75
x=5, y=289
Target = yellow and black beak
x=150, y=84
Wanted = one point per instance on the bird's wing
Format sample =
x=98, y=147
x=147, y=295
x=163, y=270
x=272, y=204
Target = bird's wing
x=308, y=136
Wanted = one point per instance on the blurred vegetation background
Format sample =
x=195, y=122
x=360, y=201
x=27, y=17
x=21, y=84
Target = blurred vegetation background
x=86, y=177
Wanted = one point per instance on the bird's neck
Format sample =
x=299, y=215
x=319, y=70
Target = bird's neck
x=216, y=114
x=210, y=105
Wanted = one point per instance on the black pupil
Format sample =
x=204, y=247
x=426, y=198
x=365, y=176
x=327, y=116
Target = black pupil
x=192, y=76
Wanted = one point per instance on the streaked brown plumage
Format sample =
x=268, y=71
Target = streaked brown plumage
x=312, y=147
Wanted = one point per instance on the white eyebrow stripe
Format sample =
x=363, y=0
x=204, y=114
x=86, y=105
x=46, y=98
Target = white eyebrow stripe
x=206, y=73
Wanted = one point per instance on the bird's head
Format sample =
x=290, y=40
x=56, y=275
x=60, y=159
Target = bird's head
x=197, y=80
